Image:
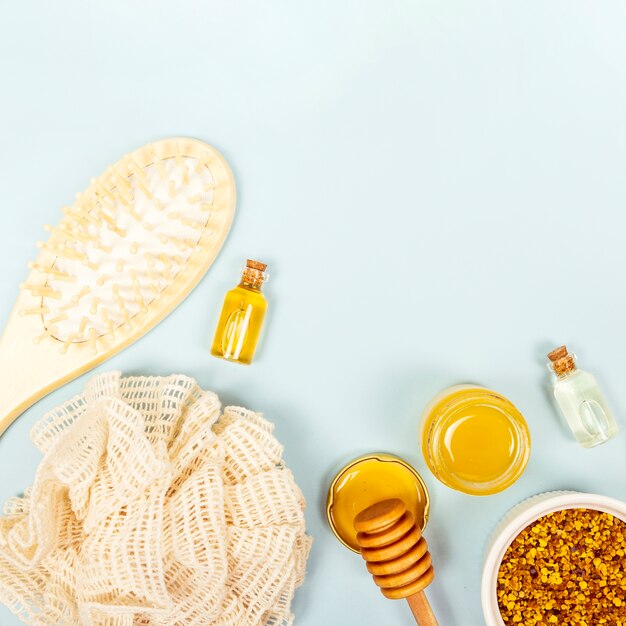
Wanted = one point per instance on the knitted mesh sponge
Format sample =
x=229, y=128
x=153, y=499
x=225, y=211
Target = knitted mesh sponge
x=153, y=508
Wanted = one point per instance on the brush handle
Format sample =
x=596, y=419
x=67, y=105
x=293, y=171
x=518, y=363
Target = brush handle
x=421, y=609
x=29, y=371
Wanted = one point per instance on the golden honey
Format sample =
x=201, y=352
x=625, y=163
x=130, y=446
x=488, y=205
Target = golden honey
x=368, y=480
x=474, y=440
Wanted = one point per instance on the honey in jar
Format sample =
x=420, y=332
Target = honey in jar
x=474, y=440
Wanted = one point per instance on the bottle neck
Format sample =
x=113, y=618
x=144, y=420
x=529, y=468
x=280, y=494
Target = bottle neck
x=253, y=275
x=565, y=366
x=250, y=285
x=252, y=278
x=567, y=375
x=563, y=363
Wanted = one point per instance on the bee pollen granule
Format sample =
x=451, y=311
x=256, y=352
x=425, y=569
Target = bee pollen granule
x=568, y=567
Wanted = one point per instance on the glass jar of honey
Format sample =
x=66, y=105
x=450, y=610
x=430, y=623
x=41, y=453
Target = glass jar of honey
x=474, y=440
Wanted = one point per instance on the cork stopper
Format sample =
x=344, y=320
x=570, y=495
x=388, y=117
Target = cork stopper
x=562, y=361
x=254, y=273
x=256, y=265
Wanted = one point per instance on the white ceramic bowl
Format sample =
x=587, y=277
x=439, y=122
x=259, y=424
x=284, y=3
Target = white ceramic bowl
x=521, y=516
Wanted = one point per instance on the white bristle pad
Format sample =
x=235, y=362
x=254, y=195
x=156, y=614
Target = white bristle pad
x=126, y=241
x=126, y=268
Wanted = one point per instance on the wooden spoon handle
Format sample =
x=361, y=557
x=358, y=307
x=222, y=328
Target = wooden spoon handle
x=422, y=612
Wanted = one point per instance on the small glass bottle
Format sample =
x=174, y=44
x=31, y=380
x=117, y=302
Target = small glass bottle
x=239, y=327
x=581, y=401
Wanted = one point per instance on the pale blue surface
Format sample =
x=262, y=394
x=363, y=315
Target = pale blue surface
x=438, y=187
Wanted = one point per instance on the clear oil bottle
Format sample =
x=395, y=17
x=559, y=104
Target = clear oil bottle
x=243, y=313
x=581, y=401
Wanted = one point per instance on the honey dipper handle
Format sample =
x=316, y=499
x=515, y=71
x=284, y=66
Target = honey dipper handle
x=422, y=611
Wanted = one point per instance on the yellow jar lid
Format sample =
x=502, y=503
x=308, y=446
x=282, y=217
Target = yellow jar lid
x=370, y=479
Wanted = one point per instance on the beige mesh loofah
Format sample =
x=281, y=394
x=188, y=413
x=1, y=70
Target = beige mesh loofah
x=152, y=509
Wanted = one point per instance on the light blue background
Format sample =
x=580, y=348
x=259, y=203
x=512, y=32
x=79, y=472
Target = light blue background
x=439, y=189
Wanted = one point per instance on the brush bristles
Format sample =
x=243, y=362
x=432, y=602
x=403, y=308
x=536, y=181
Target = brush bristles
x=120, y=246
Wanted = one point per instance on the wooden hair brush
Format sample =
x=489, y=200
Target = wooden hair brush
x=124, y=255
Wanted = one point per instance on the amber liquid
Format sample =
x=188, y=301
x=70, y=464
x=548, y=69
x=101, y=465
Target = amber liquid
x=474, y=440
x=239, y=327
x=372, y=480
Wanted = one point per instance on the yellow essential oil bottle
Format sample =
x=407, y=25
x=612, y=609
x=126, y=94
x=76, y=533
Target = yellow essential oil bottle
x=240, y=324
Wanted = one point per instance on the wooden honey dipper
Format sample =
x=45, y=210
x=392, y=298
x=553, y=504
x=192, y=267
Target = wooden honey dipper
x=397, y=555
